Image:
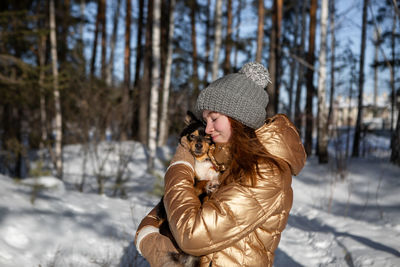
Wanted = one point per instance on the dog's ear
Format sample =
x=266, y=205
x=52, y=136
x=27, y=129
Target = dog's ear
x=190, y=117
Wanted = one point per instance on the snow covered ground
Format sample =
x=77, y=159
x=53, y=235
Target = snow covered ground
x=348, y=220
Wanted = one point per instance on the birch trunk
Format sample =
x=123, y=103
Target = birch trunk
x=163, y=136
x=155, y=84
x=218, y=38
x=56, y=92
x=322, y=110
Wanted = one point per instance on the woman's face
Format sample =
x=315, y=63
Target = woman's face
x=218, y=126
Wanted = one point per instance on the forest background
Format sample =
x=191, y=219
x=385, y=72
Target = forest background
x=89, y=71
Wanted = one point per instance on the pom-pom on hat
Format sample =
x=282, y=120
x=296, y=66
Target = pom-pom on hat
x=241, y=95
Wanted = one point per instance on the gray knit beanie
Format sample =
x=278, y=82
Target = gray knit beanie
x=241, y=95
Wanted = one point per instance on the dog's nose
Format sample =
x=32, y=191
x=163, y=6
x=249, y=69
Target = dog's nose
x=199, y=145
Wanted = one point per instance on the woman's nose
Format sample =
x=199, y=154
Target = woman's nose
x=209, y=128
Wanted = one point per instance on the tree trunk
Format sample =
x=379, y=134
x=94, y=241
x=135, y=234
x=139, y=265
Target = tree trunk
x=392, y=71
x=273, y=87
x=96, y=35
x=322, y=111
x=207, y=44
x=56, y=92
x=138, y=65
x=293, y=62
x=376, y=54
x=63, y=31
x=164, y=122
x=237, y=36
x=110, y=65
x=309, y=78
x=260, y=30
x=228, y=40
x=41, y=56
x=103, y=22
x=333, y=57
x=43, y=114
x=155, y=84
x=195, y=75
x=357, y=133
x=127, y=51
x=127, y=73
x=145, y=81
x=352, y=80
x=80, y=44
x=82, y=7
x=217, y=38
x=139, y=50
x=395, y=141
x=278, y=72
x=300, y=80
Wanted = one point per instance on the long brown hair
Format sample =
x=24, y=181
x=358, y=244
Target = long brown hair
x=247, y=151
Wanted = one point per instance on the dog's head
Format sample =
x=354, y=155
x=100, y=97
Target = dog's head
x=199, y=141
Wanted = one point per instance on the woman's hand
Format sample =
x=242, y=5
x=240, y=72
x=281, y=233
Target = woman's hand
x=182, y=153
x=156, y=249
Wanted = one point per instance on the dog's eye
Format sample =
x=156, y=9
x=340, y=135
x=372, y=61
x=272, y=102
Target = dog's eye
x=192, y=136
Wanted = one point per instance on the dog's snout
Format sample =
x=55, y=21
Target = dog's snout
x=199, y=145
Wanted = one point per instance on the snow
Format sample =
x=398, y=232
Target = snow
x=351, y=219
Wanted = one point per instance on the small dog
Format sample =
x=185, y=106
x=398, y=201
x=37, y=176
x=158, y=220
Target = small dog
x=199, y=143
x=206, y=180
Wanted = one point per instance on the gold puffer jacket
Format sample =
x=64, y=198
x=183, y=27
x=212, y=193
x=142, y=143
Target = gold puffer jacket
x=239, y=225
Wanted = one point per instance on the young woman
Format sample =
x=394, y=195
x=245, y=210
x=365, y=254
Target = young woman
x=241, y=223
